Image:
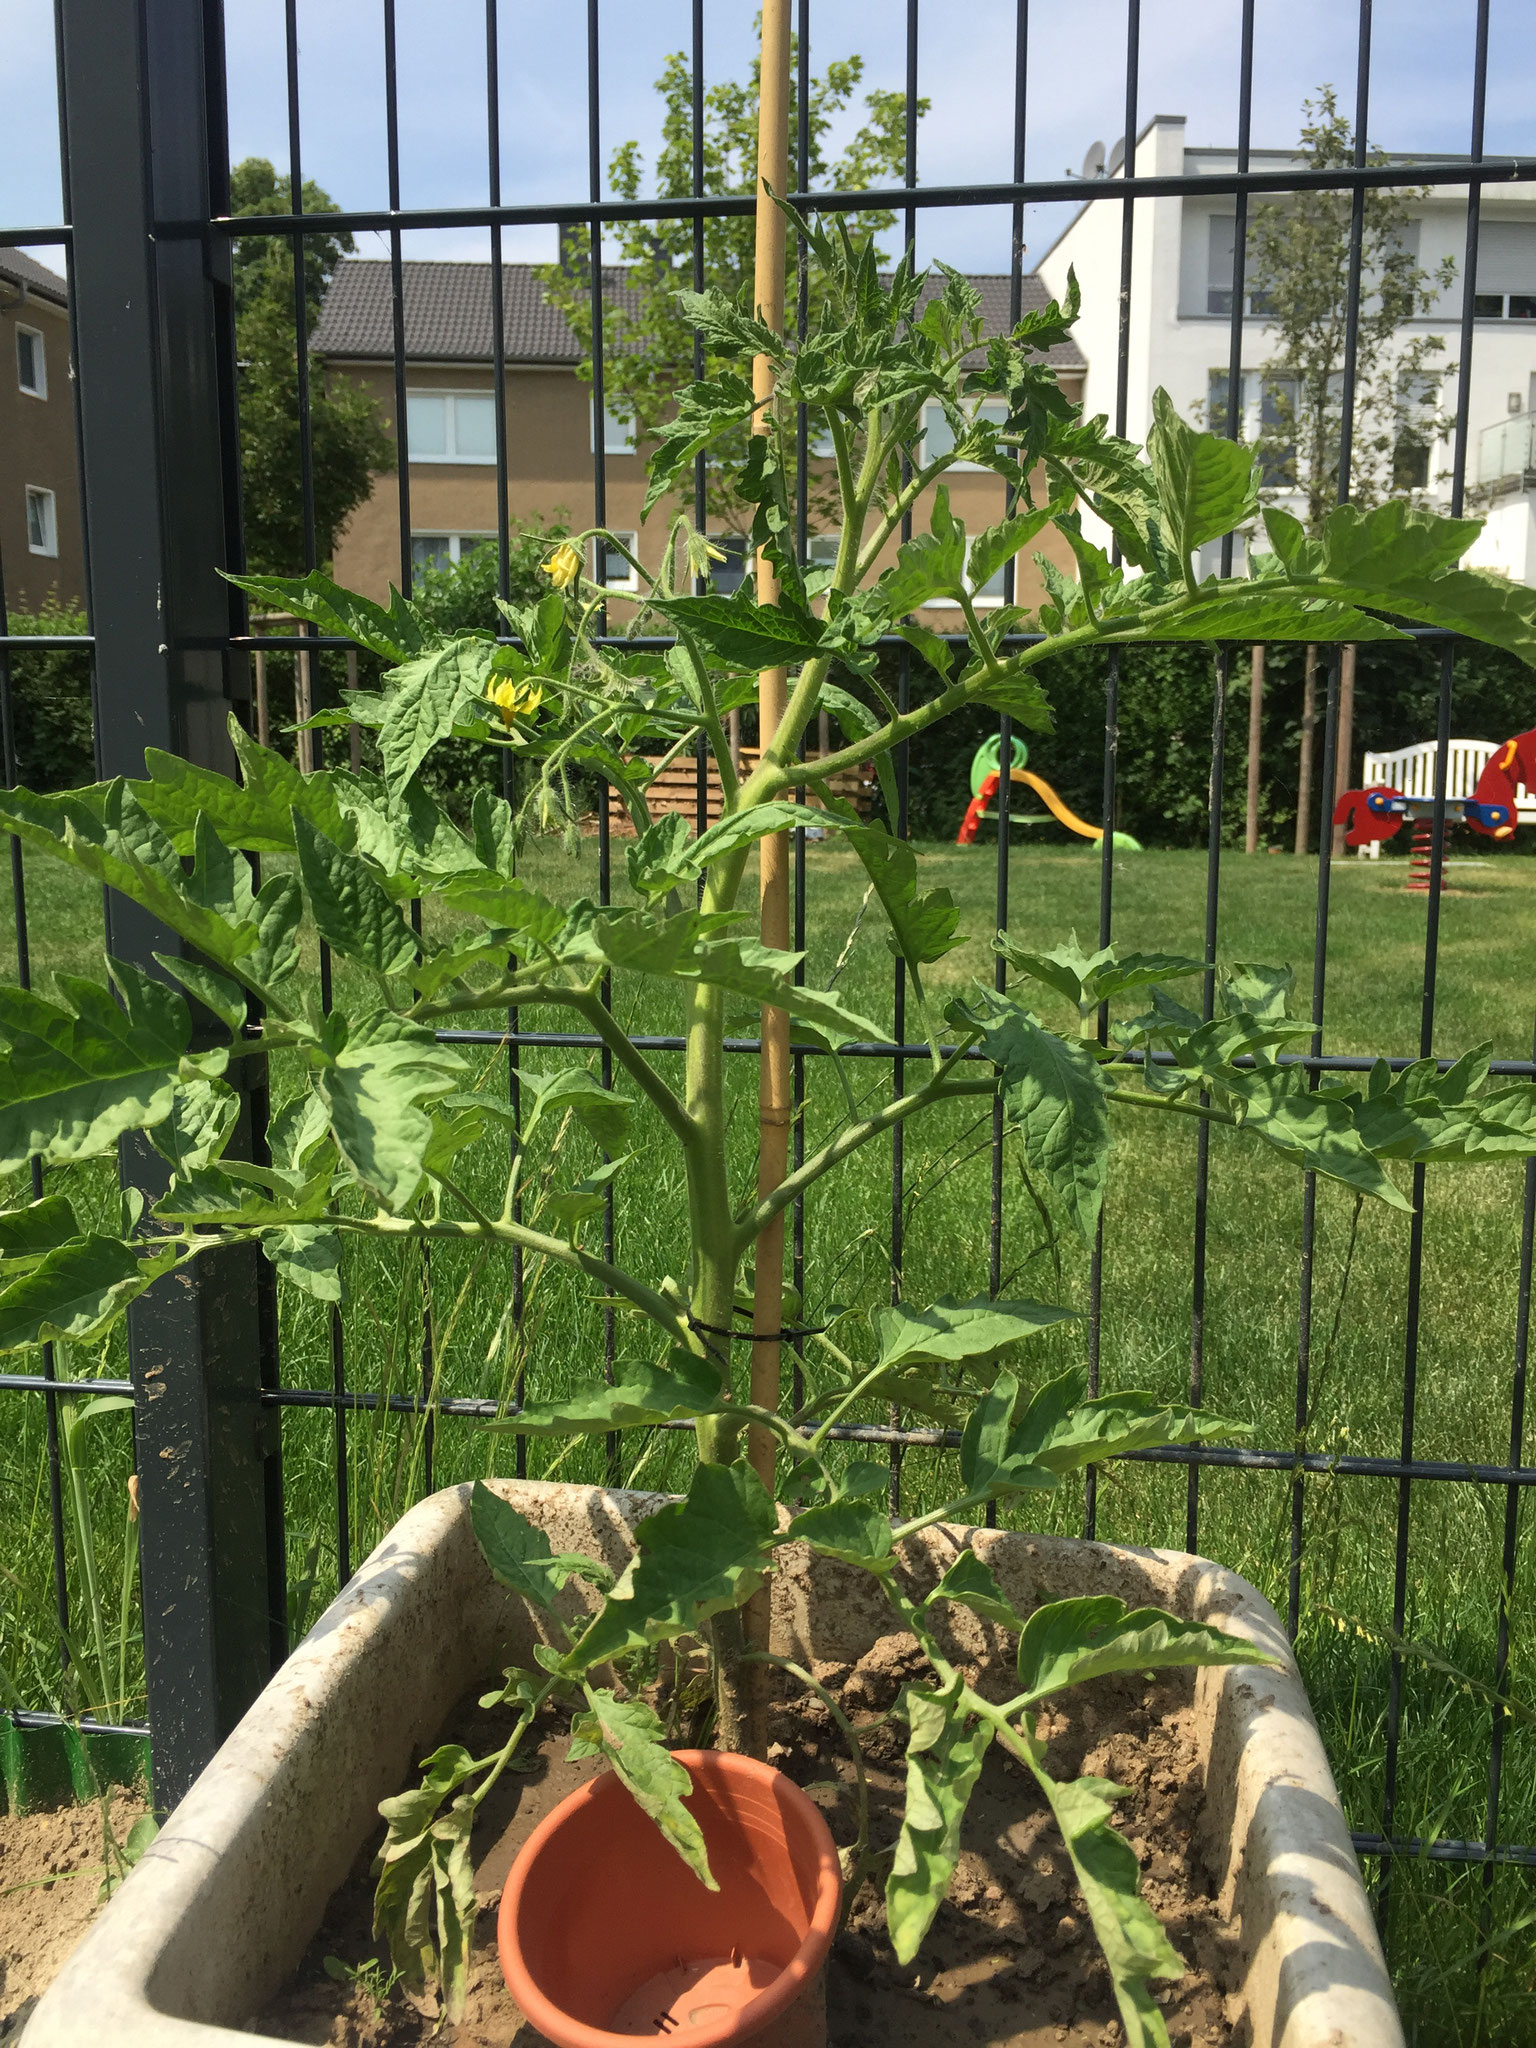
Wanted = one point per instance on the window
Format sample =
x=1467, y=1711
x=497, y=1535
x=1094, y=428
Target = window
x=610, y=568
x=31, y=362
x=938, y=437
x=1266, y=405
x=1506, y=271
x=618, y=432
x=42, y=521
x=730, y=574
x=451, y=426
x=442, y=550
x=821, y=550
x=1221, y=250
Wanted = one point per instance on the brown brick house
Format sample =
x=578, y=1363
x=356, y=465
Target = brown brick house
x=40, y=541
x=451, y=428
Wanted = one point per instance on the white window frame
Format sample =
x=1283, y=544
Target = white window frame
x=39, y=357
x=981, y=409
x=629, y=580
x=455, y=541
x=48, y=507
x=618, y=432
x=952, y=604
x=485, y=395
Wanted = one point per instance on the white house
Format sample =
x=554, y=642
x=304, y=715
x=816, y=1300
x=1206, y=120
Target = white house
x=1181, y=295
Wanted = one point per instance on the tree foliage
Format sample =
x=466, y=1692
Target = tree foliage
x=1298, y=276
x=350, y=439
x=648, y=338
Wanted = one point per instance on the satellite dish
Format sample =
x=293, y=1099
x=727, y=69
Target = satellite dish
x=1117, y=156
x=1093, y=162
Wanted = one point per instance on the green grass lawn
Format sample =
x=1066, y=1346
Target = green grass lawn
x=1442, y=1918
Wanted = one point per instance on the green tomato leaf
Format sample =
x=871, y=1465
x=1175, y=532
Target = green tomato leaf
x=76, y=1079
x=353, y=912
x=307, y=1256
x=989, y=1464
x=519, y=1555
x=1252, y=611
x=1070, y=1641
x=642, y=1396
x=696, y=1558
x=601, y=1111
x=858, y=721
x=381, y=1069
x=857, y=1530
x=394, y=634
x=74, y=1292
x=1130, y=1933
x=40, y=1227
x=1206, y=486
x=427, y=697
x=1055, y=1096
x=923, y=928
x=1062, y=1432
x=930, y=565
x=995, y=546
x=749, y=635
x=973, y=1584
x=215, y=992
x=951, y=1331
x=944, y=1760
x=629, y=1735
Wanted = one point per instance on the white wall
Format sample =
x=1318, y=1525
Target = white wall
x=1507, y=543
x=1174, y=343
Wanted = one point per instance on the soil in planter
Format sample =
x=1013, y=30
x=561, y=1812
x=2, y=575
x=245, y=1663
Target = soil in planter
x=1011, y=1959
x=51, y=1870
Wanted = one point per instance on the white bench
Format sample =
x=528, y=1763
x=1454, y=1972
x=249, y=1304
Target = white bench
x=1411, y=771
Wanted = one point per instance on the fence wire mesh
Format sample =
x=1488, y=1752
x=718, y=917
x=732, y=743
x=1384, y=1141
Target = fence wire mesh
x=340, y=1429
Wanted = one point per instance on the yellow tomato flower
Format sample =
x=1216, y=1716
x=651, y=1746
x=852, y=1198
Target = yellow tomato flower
x=515, y=700
x=563, y=566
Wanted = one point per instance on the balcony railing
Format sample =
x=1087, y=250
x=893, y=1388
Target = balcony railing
x=1506, y=454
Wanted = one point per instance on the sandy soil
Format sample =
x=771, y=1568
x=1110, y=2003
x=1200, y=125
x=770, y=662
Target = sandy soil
x=51, y=1868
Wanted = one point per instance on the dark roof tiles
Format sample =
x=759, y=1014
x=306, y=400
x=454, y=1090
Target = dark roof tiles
x=448, y=313
x=18, y=268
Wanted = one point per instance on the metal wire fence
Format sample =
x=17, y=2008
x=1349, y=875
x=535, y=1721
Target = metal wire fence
x=160, y=479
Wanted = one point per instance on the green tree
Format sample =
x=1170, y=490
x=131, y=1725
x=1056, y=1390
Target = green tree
x=647, y=338
x=349, y=437
x=1298, y=278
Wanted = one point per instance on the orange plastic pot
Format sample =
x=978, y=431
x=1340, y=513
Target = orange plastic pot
x=606, y=1934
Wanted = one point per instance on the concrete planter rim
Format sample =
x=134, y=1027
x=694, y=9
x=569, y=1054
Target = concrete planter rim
x=218, y=1912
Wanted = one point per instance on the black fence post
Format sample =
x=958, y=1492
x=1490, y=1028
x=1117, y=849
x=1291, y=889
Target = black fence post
x=146, y=163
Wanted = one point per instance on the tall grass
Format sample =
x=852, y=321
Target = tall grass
x=1464, y=1951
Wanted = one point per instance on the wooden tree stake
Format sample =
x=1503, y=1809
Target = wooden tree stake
x=775, y=1107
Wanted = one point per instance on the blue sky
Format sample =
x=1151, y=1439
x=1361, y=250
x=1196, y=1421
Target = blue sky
x=1421, y=91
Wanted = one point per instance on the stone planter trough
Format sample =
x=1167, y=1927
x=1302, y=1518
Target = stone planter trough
x=222, y=1906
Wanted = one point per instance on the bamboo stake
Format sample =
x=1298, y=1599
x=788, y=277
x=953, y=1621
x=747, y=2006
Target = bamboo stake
x=775, y=1107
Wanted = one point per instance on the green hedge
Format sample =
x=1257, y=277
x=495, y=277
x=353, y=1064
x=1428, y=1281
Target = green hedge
x=51, y=703
x=1165, y=703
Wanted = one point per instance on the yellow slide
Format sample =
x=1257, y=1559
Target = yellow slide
x=1055, y=806
x=1058, y=810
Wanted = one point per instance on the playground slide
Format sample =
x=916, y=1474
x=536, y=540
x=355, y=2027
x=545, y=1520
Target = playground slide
x=987, y=791
x=1055, y=806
